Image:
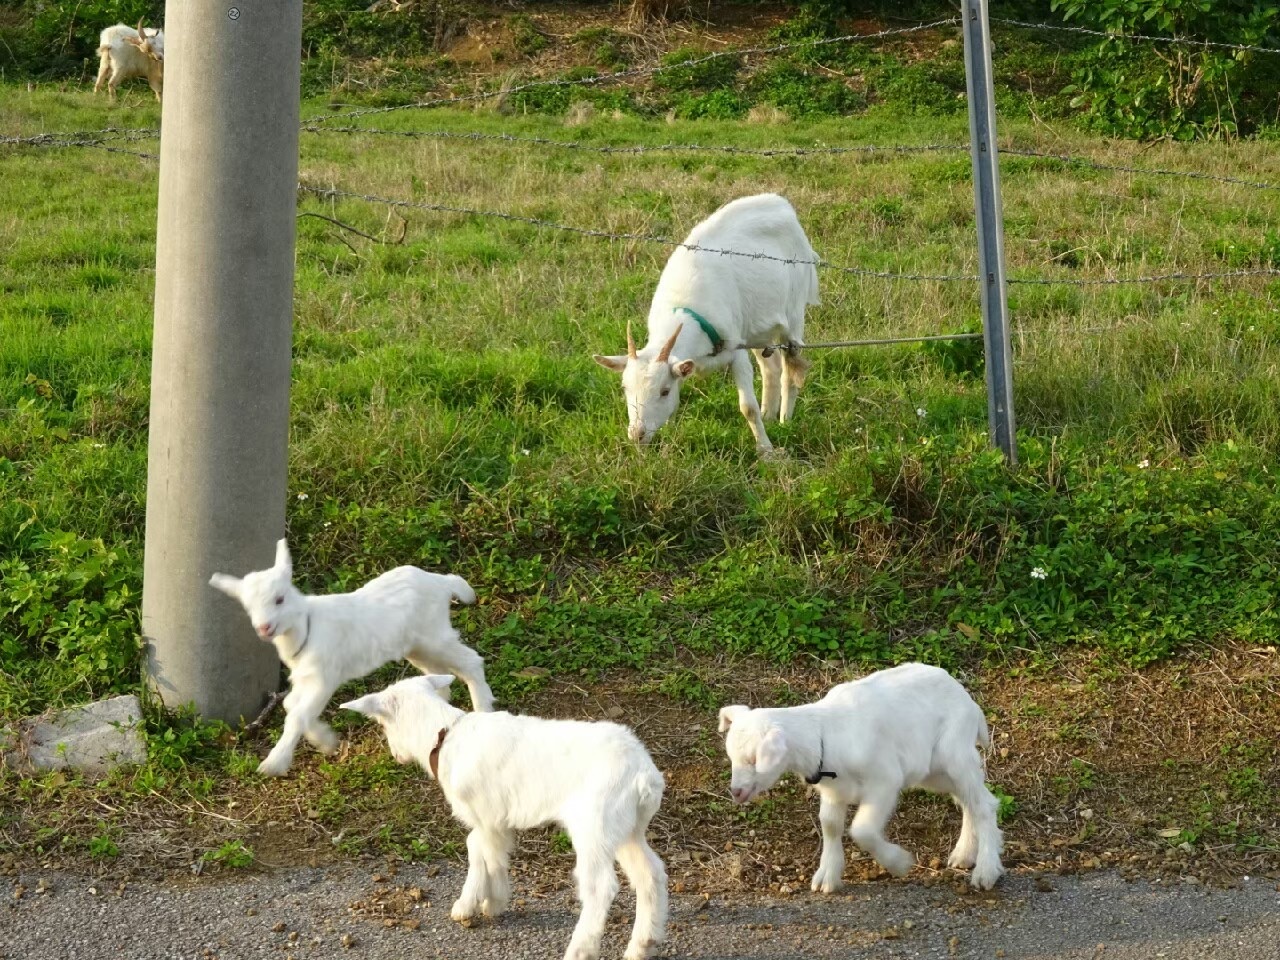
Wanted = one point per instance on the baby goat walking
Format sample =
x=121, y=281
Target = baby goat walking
x=864, y=743
x=502, y=773
x=326, y=641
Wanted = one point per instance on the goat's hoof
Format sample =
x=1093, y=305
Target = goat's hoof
x=640, y=951
x=272, y=768
x=898, y=862
x=461, y=913
x=582, y=953
x=985, y=877
x=961, y=860
x=826, y=883
x=493, y=908
x=772, y=454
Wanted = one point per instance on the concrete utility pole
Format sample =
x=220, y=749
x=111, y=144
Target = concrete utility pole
x=986, y=190
x=218, y=458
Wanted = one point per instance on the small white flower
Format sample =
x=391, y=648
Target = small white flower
x=1143, y=464
x=525, y=452
x=99, y=446
x=303, y=496
x=1039, y=573
x=326, y=523
x=921, y=412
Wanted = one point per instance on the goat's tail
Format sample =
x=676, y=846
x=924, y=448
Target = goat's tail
x=649, y=786
x=983, y=732
x=461, y=590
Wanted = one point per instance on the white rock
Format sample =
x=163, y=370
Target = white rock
x=93, y=738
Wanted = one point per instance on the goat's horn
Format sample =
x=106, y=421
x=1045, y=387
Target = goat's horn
x=631, y=343
x=140, y=33
x=665, y=353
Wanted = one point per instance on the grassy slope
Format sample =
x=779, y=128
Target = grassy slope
x=445, y=410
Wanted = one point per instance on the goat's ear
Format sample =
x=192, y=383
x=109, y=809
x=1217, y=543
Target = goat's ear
x=772, y=752
x=683, y=368
x=616, y=363
x=730, y=714
x=371, y=705
x=228, y=585
x=440, y=683
x=283, y=560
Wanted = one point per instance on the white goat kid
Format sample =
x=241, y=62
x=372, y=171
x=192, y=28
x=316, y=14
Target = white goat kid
x=327, y=641
x=502, y=773
x=710, y=305
x=127, y=52
x=864, y=743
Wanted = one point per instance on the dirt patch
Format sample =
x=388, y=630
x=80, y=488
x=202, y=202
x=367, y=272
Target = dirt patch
x=1173, y=769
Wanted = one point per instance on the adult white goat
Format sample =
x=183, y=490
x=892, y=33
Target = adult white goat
x=326, y=641
x=127, y=52
x=710, y=305
x=502, y=773
x=864, y=743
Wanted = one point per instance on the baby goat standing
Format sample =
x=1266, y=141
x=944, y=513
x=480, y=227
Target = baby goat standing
x=126, y=52
x=326, y=641
x=864, y=743
x=502, y=773
x=710, y=304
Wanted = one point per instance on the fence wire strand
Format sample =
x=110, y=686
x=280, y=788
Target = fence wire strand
x=1173, y=41
x=99, y=138
x=507, y=139
x=95, y=141
x=333, y=193
x=637, y=72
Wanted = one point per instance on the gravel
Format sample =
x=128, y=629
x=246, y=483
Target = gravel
x=359, y=913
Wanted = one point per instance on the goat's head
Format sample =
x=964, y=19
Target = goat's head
x=151, y=42
x=651, y=387
x=268, y=596
x=757, y=750
x=410, y=714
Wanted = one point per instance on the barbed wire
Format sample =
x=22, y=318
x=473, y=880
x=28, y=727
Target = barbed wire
x=1175, y=41
x=333, y=193
x=1144, y=171
x=96, y=142
x=636, y=72
x=730, y=150
x=513, y=139
x=96, y=138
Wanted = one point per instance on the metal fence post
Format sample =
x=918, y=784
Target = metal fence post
x=218, y=444
x=986, y=190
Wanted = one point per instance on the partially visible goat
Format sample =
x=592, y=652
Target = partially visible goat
x=326, y=641
x=710, y=304
x=864, y=743
x=126, y=52
x=502, y=773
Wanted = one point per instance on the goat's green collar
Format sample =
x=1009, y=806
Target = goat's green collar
x=717, y=341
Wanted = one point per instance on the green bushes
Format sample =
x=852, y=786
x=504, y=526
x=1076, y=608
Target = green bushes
x=1149, y=90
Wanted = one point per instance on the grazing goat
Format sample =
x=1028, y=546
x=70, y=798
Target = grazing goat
x=502, y=773
x=326, y=641
x=126, y=52
x=709, y=305
x=864, y=743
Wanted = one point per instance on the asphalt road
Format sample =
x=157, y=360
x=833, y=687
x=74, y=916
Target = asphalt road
x=344, y=912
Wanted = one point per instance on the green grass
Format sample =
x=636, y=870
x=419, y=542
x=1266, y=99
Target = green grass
x=446, y=411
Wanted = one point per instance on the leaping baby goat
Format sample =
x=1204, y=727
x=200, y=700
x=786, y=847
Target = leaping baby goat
x=326, y=641
x=709, y=305
x=864, y=743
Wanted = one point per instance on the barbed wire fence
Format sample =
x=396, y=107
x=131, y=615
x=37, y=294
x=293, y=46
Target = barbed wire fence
x=108, y=139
